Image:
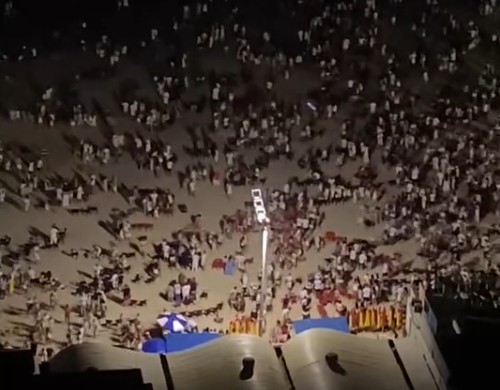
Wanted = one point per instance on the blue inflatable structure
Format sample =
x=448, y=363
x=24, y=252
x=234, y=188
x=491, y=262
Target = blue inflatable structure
x=338, y=324
x=177, y=342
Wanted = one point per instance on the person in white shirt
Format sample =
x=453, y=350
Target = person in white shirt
x=185, y=291
x=54, y=236
x=177, y=291
x=289, y=282
x=195, y=263
x=244, y=280
x=367, y=293
x=318, y=285
x=203, y=259
x=216, y=93
x=362, y=259
x=352, y=255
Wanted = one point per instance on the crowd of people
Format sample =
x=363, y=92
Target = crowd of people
x=398, y=122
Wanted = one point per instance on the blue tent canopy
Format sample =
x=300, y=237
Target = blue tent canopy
x=157, y=345
x=177, y=342
x=339, y=324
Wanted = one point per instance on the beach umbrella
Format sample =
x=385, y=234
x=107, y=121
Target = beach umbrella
x=175, y=323
x=156, y=345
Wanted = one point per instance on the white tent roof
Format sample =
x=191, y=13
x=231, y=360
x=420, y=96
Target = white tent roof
x=364, y=363
x=215, y=365
x=78, y=358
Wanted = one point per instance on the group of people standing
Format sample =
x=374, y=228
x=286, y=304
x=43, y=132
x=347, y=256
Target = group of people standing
x=425, y=145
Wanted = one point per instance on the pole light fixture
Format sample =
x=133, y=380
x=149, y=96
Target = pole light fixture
x=263, y=220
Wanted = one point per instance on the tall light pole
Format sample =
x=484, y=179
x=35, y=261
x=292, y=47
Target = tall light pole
x=263, y=220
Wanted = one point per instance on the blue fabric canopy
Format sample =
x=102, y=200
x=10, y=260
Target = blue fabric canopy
x=177, y=342
x=157, y=345
x=339, y=324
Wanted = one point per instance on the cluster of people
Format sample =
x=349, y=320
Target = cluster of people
x=376, y=319
x=413, y=123
x=49, y=110
x=243, y=324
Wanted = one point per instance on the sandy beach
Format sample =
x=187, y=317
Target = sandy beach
x=210, y=201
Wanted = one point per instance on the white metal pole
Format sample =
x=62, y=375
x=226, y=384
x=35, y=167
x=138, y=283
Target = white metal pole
x=263, y=282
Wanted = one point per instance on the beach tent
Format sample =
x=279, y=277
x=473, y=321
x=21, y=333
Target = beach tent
x=156, y=345
x=339, y=324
